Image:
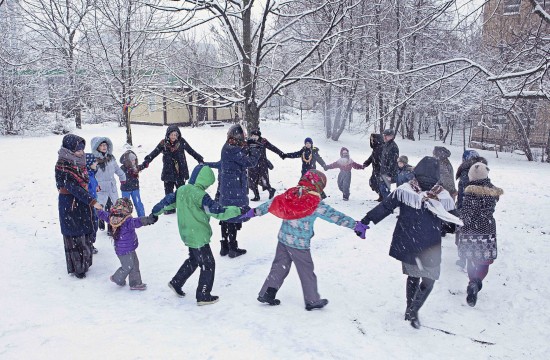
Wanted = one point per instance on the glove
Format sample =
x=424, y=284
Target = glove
x=153, y=218
x=248, y=215
x=145, y=165
x=360, y=229
x=283, y=156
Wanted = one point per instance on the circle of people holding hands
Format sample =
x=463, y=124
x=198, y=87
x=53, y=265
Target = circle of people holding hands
x=429, y=204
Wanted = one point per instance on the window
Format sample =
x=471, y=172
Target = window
x=152, y=103
x=511, y=7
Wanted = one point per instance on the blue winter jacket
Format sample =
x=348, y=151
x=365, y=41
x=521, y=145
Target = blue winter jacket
x=298, y=233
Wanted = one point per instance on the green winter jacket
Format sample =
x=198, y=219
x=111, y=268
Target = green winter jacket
x=194, y=207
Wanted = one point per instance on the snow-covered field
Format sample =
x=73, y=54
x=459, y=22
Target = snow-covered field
x=47, y=314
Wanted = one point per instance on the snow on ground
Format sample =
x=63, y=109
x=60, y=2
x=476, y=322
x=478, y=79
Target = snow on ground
x=48, y=314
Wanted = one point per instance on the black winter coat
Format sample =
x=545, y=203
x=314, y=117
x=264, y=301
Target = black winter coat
x=173, y=157
x=388, y=160
x=261, y=170
x=310, y=158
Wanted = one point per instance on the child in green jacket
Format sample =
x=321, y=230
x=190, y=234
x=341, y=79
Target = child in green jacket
x=194, y=209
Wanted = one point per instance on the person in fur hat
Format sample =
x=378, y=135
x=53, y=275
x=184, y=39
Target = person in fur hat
x=259, y=174
x=309, y=154
x=75, y=205
x=299, y=207
x=345, y=164
x=130, y=189
x=126, y=241
x=377, y=145
x=107, y=167
x=424, y=208
x=477, y=241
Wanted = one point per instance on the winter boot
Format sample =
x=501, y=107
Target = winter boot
x=175, y=288
x=234, y=250
x=140, y=287
x=473, y=288
x=319, y=304
x=412, y=286
x=224, y=249
x=271, y=192
x=269, y=297
x=418, y=300
x=380, y=198
x=256, y=195
x=207, y=300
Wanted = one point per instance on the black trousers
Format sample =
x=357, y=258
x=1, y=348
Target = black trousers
x=170, y=185
x=204, y=258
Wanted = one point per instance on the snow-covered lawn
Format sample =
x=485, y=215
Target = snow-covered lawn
x=47, y=314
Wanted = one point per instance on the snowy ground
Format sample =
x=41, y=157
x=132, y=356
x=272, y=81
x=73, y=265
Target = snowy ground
x=48, y=314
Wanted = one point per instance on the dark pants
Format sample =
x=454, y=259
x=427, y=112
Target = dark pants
x=198, y=257
x=383, y=187
x=101, y=223
x=229, y=232
x=170, y=185
x=344, y=182
x=78, y=253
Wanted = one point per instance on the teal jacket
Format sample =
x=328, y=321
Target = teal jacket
x=298, y=233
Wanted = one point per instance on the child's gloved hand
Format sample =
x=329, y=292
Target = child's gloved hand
x=153, y=218
x=248, y=215
x=360, y=229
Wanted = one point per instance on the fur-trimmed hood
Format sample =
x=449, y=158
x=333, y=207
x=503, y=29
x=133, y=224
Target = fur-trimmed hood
x=481, y=190
x=98, y=140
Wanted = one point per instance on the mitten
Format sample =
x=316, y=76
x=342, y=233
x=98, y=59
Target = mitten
x=283, y=156
x=153, y=218
x=248, y=215
x=144, y=165
x=360, y=229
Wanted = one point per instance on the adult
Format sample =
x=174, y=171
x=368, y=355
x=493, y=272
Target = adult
x=309, y=155
x=388, y=163
x=377, y=145
x=259, y=174
x=446, y=171
x=174, y=164
x=236, y=157
x=416, y=242
x=75, y=205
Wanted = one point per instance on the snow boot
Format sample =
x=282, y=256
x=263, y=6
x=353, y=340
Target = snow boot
x=473, y=288
x=256, y=195
x=234, y=250
x=412, y=286
x=207, y=300
x=224, y=249
x=271, y=193
x=418, y=300
x=140, y=287
x=80, y=275
x=319, y=304
x=269, y=297
x=175, y=288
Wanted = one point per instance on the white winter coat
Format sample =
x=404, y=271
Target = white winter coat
x=106, y=177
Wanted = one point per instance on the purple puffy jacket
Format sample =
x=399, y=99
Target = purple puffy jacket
x=127, y=240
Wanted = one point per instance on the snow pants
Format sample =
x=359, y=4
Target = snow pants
x=129, y=267
x=284, y=257
x=204, y=258
x=78, y=253
x=344, y=182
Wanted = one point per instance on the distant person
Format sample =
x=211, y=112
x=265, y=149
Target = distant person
x=446, y=176
x=405, y=172
x=174, y=163
x=130, y=189
x=477, y=240
x=345, y=164
x=259, y=174
x=75, y=205
x=309, y=155
x=377, y=145
x=388, y=163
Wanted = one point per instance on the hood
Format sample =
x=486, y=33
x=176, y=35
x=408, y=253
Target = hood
x=342, y=150
x=129, y=158
x=71, y=142
x=441, y=152
x=202, y=176
x=376, y=140
x=469, y=154
x=427, y=172
x=170, y=129
x=98, y=140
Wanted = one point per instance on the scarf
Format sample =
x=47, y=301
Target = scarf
x=103, y=160
x=119, y=213
x=437, y=200
x=295, y=203
x=73, y=166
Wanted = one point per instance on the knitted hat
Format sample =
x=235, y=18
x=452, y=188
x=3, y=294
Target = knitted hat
x=90, y=159
x=308, y=140
x=389, y=132
x=404, y=159
x=315, y=178
x=478, y=171
x=469, y=154
x=427, y=172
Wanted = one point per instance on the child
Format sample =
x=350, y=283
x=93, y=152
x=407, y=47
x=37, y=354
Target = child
x=345, y=164
x=194, y=209
x=423, y=211
x=299, y=207
x=126, y=241
x=102, y=149
x=259, y=174
x=477, y=240
x=309, y=155
x=91, y=166
x=174, y=163
x=405, y=171
x=130, y=188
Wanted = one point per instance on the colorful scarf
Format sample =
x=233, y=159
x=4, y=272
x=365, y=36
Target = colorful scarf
x=119, y=213
x=73, y=166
